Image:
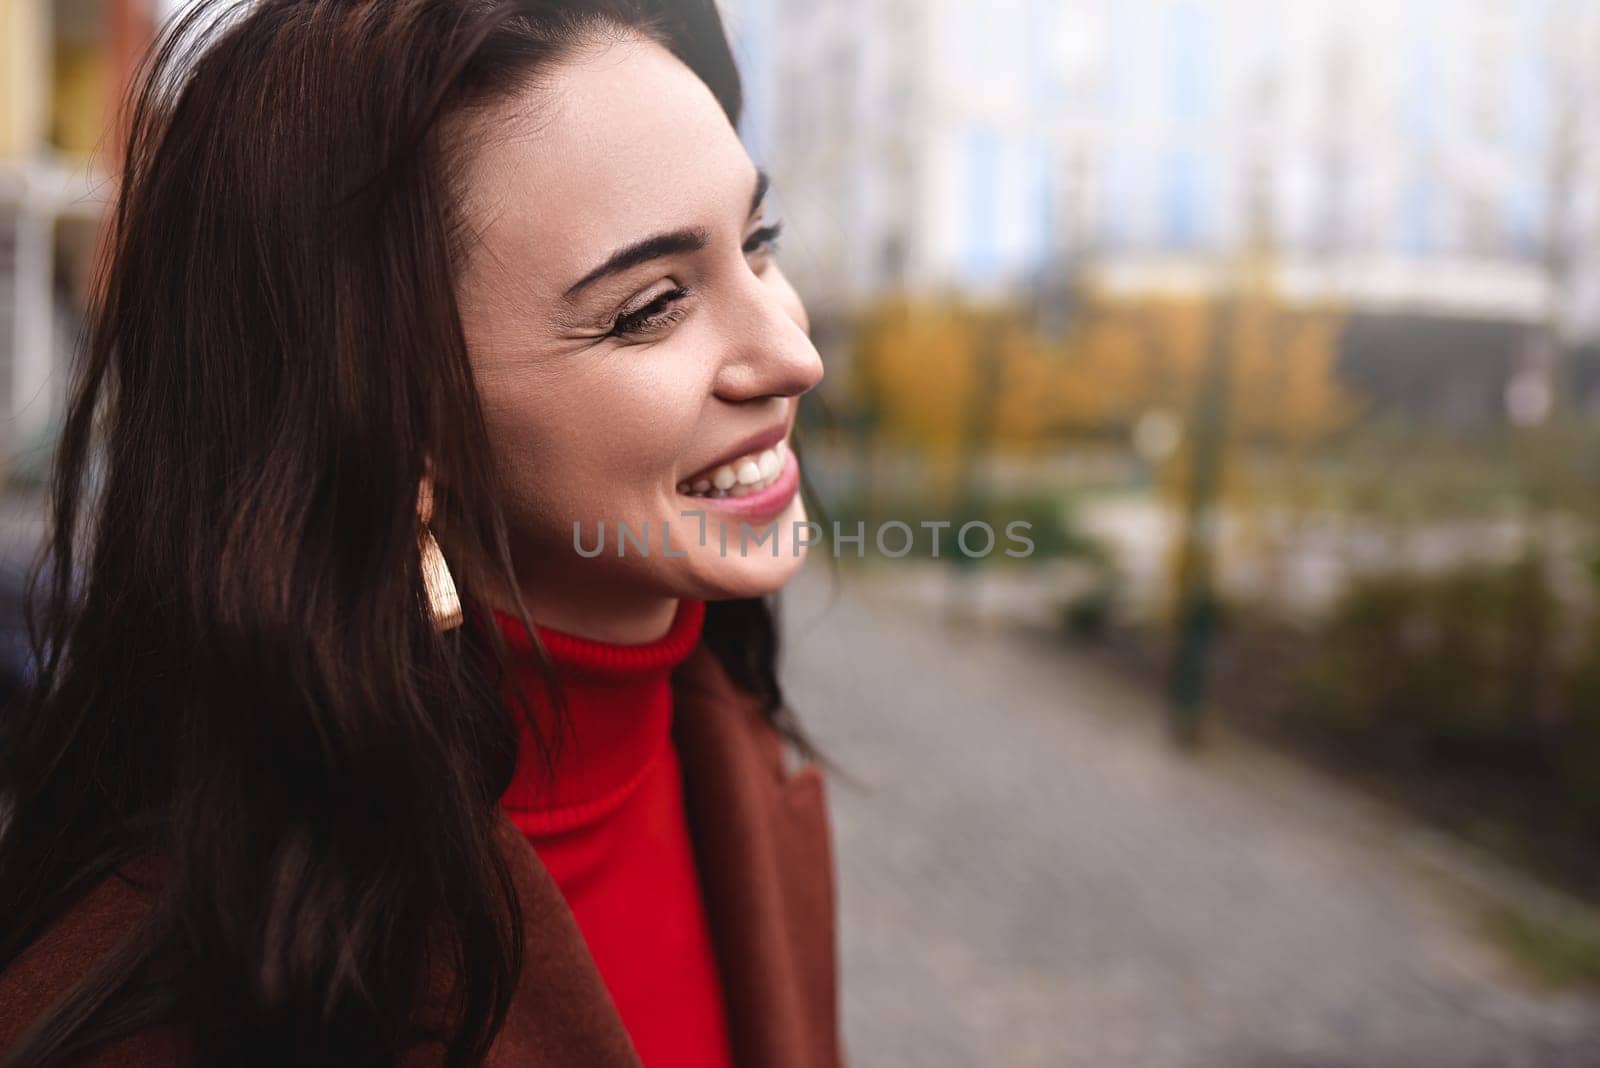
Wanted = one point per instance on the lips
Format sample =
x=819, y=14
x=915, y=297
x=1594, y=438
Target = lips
x=740, y=477
x=766, y=498
x=748, y=450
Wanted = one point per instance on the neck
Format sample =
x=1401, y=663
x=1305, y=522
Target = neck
x=594, y=611
x=622, y=624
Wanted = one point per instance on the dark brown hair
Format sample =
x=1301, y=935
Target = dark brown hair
x=237, y=669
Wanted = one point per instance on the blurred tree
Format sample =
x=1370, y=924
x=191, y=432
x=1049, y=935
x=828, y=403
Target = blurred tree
x=917, y=363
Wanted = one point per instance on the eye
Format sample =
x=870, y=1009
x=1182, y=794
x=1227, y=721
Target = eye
x=764, y=240
x=663, y=311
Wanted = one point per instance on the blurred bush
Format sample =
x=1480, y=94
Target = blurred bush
x=1437, y=658
x=1481, y=666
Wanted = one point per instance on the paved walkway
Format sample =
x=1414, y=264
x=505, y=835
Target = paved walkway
x=1030, y=876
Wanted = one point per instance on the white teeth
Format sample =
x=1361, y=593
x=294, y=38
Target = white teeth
x=741, y=477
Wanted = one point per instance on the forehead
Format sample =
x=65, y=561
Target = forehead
x=617, y=143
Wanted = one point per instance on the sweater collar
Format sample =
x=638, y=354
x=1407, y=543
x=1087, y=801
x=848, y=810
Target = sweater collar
x=619, y=707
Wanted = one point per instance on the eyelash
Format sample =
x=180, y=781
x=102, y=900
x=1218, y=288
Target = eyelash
x=657, y=313
x=650, y=316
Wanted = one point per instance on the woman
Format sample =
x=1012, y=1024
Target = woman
x=404, y=302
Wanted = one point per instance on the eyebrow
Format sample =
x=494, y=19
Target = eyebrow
x=672, y=243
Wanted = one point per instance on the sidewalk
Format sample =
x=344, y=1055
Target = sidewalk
x=1031, y=876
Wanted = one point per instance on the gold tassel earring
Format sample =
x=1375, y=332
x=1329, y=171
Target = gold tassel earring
x=444, y=603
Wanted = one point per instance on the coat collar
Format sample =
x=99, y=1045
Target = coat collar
x=764, y=852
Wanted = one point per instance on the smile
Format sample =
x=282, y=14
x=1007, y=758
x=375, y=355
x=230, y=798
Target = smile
x=741, y=477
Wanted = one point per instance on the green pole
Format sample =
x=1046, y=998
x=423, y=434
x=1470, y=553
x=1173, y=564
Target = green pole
x=972, y=489
x=1197, y=601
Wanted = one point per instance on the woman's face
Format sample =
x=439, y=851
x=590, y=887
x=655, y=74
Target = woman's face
x=639, y=353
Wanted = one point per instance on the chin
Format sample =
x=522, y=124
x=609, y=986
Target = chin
x=758, y=571
x=736, y=578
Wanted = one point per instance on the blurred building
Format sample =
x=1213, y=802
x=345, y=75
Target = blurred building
x=1434, y=160
x=1429, y=162
x=63, y=61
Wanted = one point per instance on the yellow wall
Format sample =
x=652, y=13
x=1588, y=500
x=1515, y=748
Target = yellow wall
x=52, y=85
x=22, y=65
x=78, y=114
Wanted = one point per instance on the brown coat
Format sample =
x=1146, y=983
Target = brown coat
x=765, y=856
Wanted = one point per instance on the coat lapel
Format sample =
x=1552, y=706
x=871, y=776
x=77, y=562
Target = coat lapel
x=764, y=852
x=765, y=857
x=579, y=1027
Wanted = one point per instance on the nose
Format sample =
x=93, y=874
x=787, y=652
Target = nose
x=769, y=352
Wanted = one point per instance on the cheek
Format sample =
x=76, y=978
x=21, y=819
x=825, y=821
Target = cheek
x=589, y=447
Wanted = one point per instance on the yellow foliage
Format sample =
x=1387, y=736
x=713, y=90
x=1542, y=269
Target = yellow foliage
x=917, y=366
x=943, y=375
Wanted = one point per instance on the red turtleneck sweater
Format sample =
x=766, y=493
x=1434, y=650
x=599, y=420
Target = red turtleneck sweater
x=613, y=833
